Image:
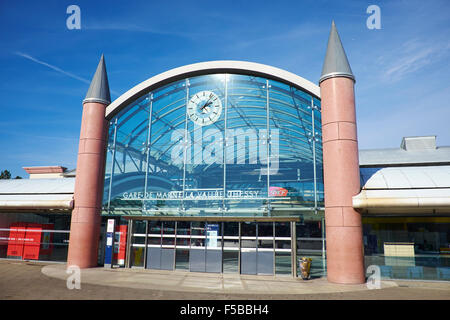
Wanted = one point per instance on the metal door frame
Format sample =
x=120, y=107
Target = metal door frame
x=220, y=221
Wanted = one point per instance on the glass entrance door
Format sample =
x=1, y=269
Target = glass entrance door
x=183, y=244
x=154, y=245
x=230, y=247
x=265, y=253
x=205, y=254
x=161, y=245
x=213, y=247
x=248, y=248
x=168, y=245
x=197, y=251
x=265, y=248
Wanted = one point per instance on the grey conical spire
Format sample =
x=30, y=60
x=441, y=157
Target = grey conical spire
x=336, y=62
x=99, y=88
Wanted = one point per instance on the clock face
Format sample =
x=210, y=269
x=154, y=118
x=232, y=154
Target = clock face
x=204, y=108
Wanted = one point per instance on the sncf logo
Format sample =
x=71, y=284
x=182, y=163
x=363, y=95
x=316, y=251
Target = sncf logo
x=277, y=192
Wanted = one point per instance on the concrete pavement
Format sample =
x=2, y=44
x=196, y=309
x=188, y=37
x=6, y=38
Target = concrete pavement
x=44, y=281
x=182, y=281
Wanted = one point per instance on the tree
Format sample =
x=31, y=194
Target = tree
x=5, y=174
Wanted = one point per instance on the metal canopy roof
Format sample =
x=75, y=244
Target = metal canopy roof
x=410, y=178
x=413, y=151
x=37, y=194
x=37, y=186
x=406, y=190
x=391, y=157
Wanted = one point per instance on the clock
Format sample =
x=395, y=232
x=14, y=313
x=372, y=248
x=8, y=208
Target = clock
x=204, y=108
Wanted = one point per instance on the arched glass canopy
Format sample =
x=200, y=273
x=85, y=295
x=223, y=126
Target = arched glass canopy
x=223, y=144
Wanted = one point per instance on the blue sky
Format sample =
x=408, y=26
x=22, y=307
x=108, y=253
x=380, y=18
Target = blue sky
x=402, y=70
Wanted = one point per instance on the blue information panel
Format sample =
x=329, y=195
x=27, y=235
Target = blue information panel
x=109, y=248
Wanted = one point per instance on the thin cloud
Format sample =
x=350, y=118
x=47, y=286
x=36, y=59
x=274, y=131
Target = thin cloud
x=414, y=55
x=69, y=74
x=146, y=29
x=27, y=56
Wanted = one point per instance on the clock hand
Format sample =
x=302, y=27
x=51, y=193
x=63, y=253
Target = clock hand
x=206, y=104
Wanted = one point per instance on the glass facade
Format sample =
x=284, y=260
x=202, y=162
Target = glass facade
x=408, y=247
x=34, y=236
x=216, y=145
x=245, y=247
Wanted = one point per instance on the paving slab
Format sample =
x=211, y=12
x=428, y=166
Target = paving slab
x=182, y=281
x=28, y=280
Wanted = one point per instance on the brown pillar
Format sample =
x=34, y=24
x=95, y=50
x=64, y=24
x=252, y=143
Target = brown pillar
x=345, y=257
x=86, y=215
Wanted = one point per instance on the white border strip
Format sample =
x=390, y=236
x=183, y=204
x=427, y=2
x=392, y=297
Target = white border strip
x=206, y=68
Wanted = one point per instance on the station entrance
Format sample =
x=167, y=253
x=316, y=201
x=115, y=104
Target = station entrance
x=263, y=246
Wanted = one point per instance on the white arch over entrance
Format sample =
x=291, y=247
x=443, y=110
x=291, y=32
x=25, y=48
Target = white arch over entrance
x=209, y=67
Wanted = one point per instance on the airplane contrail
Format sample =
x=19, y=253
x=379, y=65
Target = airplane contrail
x=74, y=76
x=27, y=56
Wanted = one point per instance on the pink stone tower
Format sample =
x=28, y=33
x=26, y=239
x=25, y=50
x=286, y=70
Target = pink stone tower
x=86, y=216
x=345, y=256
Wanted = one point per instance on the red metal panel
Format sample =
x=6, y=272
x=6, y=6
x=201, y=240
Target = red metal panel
x=16, y=239
x=120, y=247
x=32, y=241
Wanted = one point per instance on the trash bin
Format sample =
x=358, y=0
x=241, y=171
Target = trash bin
x=305, y=267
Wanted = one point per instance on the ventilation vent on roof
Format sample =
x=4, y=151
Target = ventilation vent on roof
x=418, y=143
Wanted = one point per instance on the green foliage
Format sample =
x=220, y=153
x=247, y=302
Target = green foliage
x=5, y=174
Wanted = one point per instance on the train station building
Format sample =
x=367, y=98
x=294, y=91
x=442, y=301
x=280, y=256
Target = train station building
x=235, y=167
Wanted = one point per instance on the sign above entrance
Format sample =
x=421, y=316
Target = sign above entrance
x=206, y=194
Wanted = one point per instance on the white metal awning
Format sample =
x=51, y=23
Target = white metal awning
x=406, y=189
x=39, y=194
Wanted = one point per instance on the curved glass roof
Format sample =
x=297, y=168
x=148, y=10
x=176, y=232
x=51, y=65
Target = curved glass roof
x=216, y=144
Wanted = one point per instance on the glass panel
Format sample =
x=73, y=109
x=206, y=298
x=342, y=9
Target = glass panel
x=171, y=142
x=283, y=244
x=154, y=233
x=204, y=159
x=282, y=229
x=128, y=179
x=292, y=174
x=138, y=243
x=198, y=234
x=183, y=234
x=408, y=248
x=231, y=247
x=319, y=152
x=246, y=150
x=34, y=237
x=231, y=229
x=139, y=227
x=168, y=234
x=231, y=235
x=109, y=164
x=248, y=234
x=283, y=263
x=182, y=259
x=309, y=238
x=265, y=235
x=165, y=165
x=137, y=256
x=230, y=261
